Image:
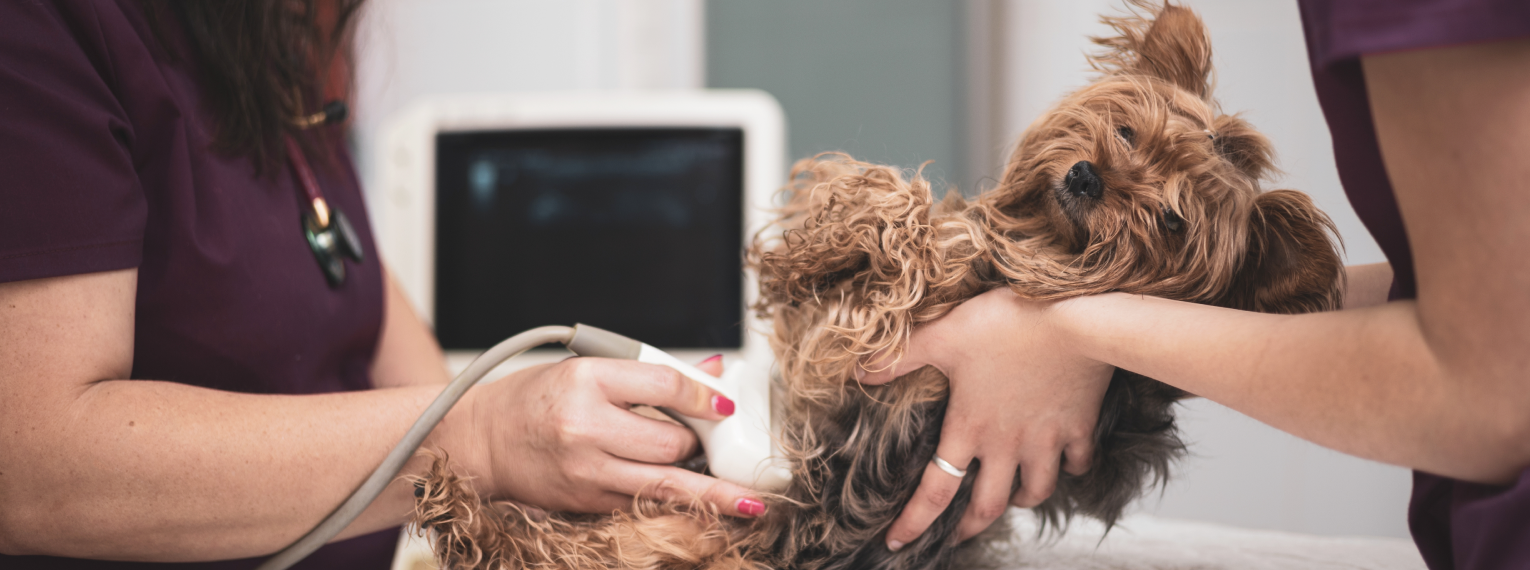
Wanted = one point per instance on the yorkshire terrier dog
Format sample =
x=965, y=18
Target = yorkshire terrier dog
x=1135, y=183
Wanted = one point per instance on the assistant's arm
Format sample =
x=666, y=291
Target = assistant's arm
x=1367, y=285
x=1439, y=384
x=1368, y=382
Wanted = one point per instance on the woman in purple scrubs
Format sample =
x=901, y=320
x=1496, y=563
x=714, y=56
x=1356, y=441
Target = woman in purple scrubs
x=1428, y=365
x=181, y=380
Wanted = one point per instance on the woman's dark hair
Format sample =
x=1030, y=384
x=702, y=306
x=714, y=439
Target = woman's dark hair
x=262, y=63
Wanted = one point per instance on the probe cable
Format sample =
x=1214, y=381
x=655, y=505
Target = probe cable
x=384, y=474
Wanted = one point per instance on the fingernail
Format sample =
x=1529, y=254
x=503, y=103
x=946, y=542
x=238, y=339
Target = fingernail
x=723, y=405
x=860, y=372
x=894, y=545
x=750, y=507
x=714, y=357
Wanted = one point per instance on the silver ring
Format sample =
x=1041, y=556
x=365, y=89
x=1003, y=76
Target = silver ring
x=949, y=468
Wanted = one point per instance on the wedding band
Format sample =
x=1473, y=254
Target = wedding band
x=949, y=468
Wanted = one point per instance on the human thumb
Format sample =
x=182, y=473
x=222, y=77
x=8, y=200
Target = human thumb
x=885, y=365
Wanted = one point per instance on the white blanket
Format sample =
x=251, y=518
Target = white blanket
x=1143, y=542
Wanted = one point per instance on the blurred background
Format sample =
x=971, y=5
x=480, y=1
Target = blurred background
x=905, y=82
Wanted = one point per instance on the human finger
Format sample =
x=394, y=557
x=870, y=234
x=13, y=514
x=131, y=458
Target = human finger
x=655, y=385
x=1038, y=479
x=712, y=365
x=605, y=502
x=675, y=484
x=937, y=488
x=1078, y=456
x=885, y=365
x=590, y=489
x=639, y=438
x=990, y=497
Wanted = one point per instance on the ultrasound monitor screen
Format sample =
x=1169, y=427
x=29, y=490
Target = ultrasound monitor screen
x=638, y=231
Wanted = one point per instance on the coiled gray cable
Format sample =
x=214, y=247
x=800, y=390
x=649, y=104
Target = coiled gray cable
x=384, y=474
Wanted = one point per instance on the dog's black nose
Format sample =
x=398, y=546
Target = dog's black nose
x=1082, y=180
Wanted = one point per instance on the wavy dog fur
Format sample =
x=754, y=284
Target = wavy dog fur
x=1173, y=207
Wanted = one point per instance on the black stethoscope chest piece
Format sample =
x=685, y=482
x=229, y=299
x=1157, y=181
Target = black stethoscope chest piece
x=331, y=243
x=328, y=232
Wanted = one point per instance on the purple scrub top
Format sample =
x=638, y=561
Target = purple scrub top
x=1456, y=524
x=105, y=164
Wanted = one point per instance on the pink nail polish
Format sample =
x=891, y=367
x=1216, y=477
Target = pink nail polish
x=750, y=507
x=712, y=358
x=894, y=545
x=722, y=404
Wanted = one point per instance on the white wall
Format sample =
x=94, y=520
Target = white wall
x=1242, y=472
x=410, y=48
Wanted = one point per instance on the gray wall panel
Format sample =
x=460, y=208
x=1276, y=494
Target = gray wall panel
x=880, y=79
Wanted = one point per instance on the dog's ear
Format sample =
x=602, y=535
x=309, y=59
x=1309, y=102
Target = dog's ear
x=1172, y=46
x=1292, y=265
x=1245, y=148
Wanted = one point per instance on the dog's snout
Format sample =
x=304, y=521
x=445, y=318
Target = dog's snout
x=1083, y=180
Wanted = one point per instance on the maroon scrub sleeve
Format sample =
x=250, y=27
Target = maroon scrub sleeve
x=69, y=198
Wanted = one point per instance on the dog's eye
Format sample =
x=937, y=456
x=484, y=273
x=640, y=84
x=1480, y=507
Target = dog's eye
x=1127, y=134
x=1172, y=220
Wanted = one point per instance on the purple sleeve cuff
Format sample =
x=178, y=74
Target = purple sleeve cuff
x=1349, y=29
x=71, y=260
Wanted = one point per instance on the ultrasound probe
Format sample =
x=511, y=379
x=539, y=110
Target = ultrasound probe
x=740, y=448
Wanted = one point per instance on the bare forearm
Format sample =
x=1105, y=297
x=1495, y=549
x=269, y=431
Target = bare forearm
x=139, y=470
x=1367, y=285
x=1439, y=383
x=408, y=353
x=1367, y=381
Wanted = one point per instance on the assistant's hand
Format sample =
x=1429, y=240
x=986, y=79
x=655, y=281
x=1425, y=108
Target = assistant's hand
x=1020, y=398
x=563, y=437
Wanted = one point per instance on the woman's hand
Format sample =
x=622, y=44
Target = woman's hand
x=1021, y=397
x=563, y=437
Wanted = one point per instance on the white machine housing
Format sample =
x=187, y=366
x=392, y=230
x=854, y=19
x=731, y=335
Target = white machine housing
x=405, y=173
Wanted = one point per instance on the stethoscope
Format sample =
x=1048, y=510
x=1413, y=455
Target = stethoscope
x=326, y=229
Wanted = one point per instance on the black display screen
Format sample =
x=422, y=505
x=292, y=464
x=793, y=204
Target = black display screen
x=638, y=231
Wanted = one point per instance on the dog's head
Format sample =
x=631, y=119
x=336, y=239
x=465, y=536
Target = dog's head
x=1139, y=182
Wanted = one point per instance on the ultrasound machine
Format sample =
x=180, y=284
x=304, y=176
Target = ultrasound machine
x=627, y=211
